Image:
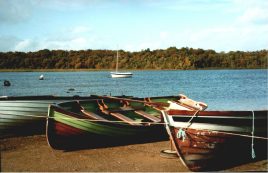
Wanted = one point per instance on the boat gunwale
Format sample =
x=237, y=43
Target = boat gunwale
x=212, y=113
x=57, y=107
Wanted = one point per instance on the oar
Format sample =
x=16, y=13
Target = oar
x=139, y=101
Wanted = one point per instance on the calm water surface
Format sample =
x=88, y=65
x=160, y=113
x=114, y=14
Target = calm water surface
x=220, y=89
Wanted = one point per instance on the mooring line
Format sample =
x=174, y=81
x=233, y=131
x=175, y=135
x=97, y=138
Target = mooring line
x=149, y=123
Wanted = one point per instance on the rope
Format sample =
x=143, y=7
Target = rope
x=182, y=133
x=86, y=119
x=151, y=123
x=253, y=155
x=236, y=134
x=189, y=122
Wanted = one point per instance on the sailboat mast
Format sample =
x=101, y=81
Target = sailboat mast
x=116, y=61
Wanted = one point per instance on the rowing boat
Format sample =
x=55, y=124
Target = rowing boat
x=26, y=115
x=104, y=121
x=213, y=140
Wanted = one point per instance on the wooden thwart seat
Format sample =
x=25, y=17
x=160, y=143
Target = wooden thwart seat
x=125, y=119
x=92, y=115
x=148, y=116
x=88, y=114
x=117, y=113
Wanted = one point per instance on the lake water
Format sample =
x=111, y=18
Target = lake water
x=220, y=89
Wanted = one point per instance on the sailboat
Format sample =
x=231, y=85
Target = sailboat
x=117, y=74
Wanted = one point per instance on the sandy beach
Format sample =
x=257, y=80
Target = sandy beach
x=33, y=154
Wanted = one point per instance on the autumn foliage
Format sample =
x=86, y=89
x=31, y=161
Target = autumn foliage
x=171, y=58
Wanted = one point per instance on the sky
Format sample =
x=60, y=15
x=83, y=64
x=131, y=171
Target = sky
x=133, y=25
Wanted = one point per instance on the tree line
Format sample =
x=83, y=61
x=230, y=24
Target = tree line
x=170, y=58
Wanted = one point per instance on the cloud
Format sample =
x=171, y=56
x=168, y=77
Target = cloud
x=73, y=38
x=25, y=45
x=7, y=43
x=73, y=5
x=254, y=15
x=247, y=31
x=243, y=26
x=80, y=29
x=154, y=41
x=188, y=5
x=252, y=11
x=163, y=35
x=227, y=38
x=14, y=11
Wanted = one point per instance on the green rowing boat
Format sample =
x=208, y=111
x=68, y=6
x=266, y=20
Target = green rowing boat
x=105, y=121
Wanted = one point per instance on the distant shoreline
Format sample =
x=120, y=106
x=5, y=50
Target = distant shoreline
x=93, y=70
x=171, y=58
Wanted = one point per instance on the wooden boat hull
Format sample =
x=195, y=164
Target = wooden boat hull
x=216, y=140
x=26, y=115
x=68, y=127
x=64, y=133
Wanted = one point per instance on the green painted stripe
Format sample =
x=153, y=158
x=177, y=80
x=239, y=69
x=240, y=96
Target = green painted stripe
x=92, y=127
x=17, y=118
x=32, y=105
x=37, y=109
x=19, y=113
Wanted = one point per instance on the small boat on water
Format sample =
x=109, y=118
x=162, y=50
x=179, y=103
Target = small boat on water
x=121, y=74
x=7, y=83
x=106, y=120
x=215, y=140
x=117, y=74
x=41, y=77
x=26, y=115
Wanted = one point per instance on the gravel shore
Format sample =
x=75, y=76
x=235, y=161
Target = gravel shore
x=32, y=153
